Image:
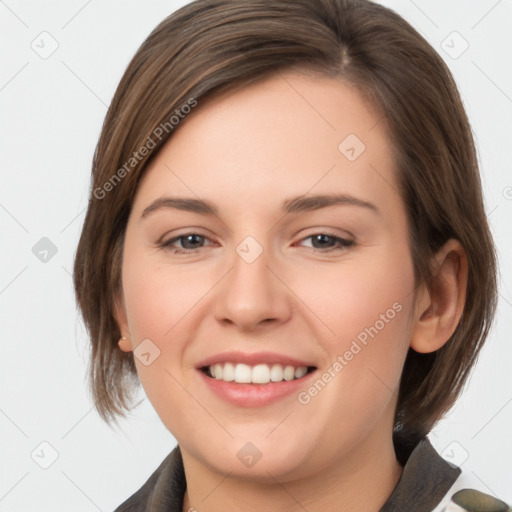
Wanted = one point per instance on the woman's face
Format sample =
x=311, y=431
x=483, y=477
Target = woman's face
x=268, y=239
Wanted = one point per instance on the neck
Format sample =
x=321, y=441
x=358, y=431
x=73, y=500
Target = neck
x=363, y=481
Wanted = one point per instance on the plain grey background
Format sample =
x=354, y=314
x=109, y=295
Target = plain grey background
x=60, y=63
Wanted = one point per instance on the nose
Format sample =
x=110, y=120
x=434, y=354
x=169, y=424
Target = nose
x=253, y=293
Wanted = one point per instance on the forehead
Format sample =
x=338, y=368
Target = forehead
x=288, y=134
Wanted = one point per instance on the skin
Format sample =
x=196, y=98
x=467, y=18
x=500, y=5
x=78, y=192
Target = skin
x=246, y=152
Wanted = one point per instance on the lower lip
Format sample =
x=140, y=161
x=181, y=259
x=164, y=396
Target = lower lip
x=254, y=395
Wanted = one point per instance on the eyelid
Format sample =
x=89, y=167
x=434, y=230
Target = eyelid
x=334, y=232
x=324, y=230
x=167, y=243
x=189, y=231
x=341, y=240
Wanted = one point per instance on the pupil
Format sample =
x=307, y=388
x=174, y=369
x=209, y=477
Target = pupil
x=188, y=237
x=320, y=238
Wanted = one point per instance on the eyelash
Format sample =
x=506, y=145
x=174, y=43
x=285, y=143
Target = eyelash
x=344, y=243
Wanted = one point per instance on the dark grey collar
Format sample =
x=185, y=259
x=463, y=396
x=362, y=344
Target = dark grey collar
x=426, y=479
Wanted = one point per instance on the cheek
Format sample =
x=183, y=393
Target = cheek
x=157, y=303
x=163, y=303
x=365, y=296
x=367, y=309
x=158, y=298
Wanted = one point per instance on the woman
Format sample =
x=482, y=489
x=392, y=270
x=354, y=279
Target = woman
x=286, y=245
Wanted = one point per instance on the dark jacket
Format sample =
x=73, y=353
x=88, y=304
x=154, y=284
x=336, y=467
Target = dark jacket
x=425, y=480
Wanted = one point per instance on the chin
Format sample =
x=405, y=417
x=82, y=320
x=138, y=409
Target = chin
x=257, y=460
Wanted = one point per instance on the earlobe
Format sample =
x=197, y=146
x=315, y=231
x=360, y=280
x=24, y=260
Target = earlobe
x=124, y=342
x=439, y=309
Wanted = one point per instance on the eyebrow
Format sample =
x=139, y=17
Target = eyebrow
x=292, y=205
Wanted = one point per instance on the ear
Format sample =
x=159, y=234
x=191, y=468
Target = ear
x=439, y=309
x=124, y=343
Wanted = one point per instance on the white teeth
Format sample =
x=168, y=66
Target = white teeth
x=243, y=373
x=300, y=372
x=258, y=374
x=228, y=373
x=289, y=373
x=276, y=373
x=218, y=371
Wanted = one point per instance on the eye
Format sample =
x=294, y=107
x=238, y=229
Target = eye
x=190, y=242
x=323, y=242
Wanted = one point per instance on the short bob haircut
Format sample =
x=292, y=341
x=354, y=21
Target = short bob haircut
x=212, y=46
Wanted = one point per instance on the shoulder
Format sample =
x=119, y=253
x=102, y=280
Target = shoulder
x=469, y=494
x=164, y=489
x=429, y=483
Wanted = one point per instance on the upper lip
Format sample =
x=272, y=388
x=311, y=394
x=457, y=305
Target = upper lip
x=252, y=359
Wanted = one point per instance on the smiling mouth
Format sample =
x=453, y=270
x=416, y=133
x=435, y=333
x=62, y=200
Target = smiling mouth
x=256, y=374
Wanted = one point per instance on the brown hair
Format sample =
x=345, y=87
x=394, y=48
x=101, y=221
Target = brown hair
x=211, y=46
